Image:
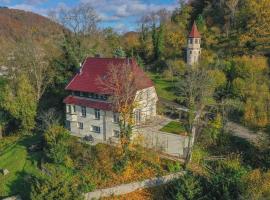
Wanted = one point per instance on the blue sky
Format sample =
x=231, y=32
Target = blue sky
x=122, y=15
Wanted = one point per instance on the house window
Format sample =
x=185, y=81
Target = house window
x=190, y=52
x=83, y=108
x=115, y=118
x=190, y=41
x=85, y=94
x=196, y=41
x=137, y=116
x=95, y=129
x=116, y=133
x=68, y=108
x=74, y=109
x=80, y=125
x=91, y=95
x=68, y=127
x=76, y=93
x=97, y=114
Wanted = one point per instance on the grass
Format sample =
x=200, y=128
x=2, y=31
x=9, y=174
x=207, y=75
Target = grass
x=94, y=162
x=163, y=87
x=174, y=127
x=19, y=163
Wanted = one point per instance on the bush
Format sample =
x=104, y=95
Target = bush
x=226, y=179
x=174, y=166
x=56, y=139
x=57, y=185
x=185, y=188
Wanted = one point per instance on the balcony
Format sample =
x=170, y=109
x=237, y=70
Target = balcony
x=72, y=117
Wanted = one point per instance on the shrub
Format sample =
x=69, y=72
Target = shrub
x=57, y=185
x=186, y=188
x=56, y=139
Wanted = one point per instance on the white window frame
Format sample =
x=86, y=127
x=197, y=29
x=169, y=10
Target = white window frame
x=68, y=125
x=83, y=111
x=97, y=114
x=95, y=129
x=116, y=118
x=68, y=109
x=116, y=133
x=80, y=125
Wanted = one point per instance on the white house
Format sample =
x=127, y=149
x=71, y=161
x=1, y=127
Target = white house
x=88, y=109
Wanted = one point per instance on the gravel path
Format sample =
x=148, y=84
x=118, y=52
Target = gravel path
x=243, y=132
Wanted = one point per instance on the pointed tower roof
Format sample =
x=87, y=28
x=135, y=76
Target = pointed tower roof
x=194, y=32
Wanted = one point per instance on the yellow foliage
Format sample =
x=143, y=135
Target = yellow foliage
x=258, y=184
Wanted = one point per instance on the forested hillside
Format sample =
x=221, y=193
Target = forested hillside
x=229, y=83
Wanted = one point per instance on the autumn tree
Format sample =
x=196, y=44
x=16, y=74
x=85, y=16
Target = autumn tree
x=82, y=24
x=121, y=84
x=196, y=89
x=19, y=101
x=33, y=61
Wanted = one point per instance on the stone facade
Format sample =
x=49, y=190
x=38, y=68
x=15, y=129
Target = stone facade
x=193, y=50
x=103, y=124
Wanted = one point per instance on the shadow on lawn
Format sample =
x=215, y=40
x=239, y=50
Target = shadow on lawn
x=22, y=184
x=252, y=155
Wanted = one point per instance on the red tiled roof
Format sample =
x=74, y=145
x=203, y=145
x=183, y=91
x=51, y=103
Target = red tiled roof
x=194, y=32
x=86, y=80
x=87, y=102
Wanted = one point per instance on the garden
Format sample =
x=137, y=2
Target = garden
x=39, y=165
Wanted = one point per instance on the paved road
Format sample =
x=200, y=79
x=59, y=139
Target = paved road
x=243, y=132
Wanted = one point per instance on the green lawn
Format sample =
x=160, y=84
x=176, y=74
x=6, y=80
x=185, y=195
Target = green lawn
x=175, y=128
x=20, y=163
x=164, y=88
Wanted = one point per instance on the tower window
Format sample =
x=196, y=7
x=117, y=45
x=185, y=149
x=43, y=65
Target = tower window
x=190, y=41
x=196, y=41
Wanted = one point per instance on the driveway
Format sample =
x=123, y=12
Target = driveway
x=243, y=132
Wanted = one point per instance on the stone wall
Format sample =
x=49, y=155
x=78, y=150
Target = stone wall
x=128, y=188
x=172, y=144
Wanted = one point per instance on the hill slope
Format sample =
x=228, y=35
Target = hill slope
x=17, y=24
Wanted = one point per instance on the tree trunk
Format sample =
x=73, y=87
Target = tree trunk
x=192, y=137
x=1, y=132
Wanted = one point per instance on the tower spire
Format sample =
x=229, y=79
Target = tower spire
x=194, y=45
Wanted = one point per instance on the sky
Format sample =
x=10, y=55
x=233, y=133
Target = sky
x=122, y=15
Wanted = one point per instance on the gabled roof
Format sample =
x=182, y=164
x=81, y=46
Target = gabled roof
x=194, y=32
x=88, y=103
x=93, y=68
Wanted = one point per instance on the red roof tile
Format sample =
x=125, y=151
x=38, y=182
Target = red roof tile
x=86, y=80
x=87, y=102
x=194, y=32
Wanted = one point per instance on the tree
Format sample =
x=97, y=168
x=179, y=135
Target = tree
x=19, y=100
x=56, y=139
x=158, y=41
x=56, y=185
x=187, y=187
x=119, y=53
x=81, y=20
x=196, y=89
x=121, y=84
x=32, y=60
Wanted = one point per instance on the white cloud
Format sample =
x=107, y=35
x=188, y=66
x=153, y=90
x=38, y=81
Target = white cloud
x=34, y=2
x=126, y=8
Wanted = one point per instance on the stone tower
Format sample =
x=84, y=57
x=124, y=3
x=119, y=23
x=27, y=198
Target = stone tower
x=194, y=46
